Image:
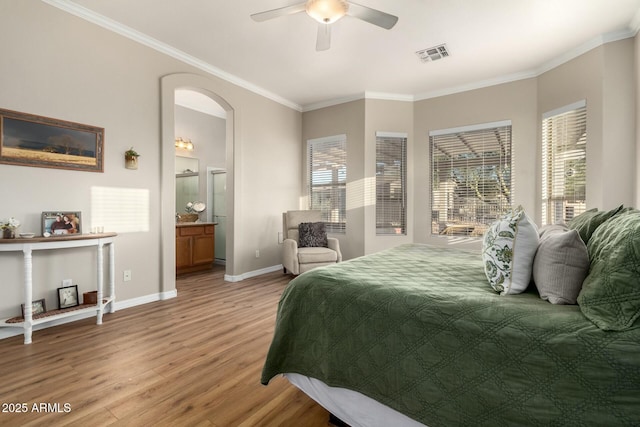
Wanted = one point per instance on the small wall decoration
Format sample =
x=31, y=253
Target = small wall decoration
x=37, y=307
x=68, y=297
x=56, y=223
x=131, y=159
x=30, y=140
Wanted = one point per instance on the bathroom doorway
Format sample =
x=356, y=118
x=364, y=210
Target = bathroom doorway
x=170, y=83
x=201, y=120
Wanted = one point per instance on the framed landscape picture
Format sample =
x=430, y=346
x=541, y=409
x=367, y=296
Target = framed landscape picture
x=29, y=140
x=56, y=223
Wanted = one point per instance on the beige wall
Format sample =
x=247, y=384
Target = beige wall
x=512, y=101
x=604, y=78
x=57, y=65
x=347, y=119
x=385, y=116
x=69, y=69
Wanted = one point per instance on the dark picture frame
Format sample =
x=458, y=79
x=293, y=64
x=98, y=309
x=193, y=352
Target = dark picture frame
x=68, y=297
x=56, y=223
x=30, y=140
x=37, y=307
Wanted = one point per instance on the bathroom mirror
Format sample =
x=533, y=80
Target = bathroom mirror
x=187, y=182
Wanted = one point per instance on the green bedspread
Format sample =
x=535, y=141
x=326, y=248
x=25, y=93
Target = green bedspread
x=419, y=329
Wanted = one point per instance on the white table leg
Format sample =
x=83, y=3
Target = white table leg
x=28, y=294
x=112, y=277
x=100, y=283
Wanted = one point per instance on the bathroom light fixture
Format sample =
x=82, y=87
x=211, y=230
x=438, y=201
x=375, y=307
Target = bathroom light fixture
x=184, y=143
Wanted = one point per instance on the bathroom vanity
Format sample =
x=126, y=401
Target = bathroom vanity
x=195, y=248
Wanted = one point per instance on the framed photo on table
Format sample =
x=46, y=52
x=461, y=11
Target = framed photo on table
x=68, y=297
x=55, y=223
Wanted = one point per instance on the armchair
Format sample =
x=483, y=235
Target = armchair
x=296, y=260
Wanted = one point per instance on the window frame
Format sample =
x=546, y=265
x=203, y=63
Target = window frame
x=557, y=204
x=329, y=196
x=391, y=210
x=482, y=162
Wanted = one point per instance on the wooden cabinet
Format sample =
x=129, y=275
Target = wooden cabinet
x=195, y=248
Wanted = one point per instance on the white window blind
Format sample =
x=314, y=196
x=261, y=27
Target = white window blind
x=391, y=177
x=327, y=179
x=471, y=178
x=564, y=163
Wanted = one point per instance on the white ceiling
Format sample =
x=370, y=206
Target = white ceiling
x=490, y=41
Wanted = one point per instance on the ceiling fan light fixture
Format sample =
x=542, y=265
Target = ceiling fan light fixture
x=327, y=11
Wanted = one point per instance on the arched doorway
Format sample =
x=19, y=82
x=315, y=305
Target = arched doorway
x=169, y=84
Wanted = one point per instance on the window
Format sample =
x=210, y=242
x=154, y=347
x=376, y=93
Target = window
x=327, y=180
x=471, y=178
x=564, y=163
x=391, y=178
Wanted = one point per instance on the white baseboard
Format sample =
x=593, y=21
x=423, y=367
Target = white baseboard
x=7, y=332
x=121, y=305
x=254, y=273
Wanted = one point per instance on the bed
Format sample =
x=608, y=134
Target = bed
x=418, y=330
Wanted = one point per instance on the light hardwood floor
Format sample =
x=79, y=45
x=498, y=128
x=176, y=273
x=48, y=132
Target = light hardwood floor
x=194, y=360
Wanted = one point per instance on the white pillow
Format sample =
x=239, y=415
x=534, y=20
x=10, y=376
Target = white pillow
x=508, y=250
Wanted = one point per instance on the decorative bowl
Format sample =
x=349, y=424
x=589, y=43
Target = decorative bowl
x=27, y=235
x=187, y=217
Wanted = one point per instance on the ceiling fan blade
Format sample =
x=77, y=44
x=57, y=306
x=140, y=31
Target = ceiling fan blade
x=323, y=42
x=275, y=13
x=372, y=16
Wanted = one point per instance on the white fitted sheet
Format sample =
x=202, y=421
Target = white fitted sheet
x=352, y=407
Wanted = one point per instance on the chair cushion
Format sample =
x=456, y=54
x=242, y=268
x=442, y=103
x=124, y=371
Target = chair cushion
x=317, y=254
x=312, y=234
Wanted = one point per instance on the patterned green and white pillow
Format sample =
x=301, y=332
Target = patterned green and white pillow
x=508, y=250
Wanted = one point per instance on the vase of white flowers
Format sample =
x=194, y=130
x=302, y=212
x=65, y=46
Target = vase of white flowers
x=8, y=227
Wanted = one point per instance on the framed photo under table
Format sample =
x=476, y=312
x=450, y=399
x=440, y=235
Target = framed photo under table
x=68, y=297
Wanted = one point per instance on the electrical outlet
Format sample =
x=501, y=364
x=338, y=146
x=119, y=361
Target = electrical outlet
x=257, y=253
x=67, y=282
x=126, y=276
x=280, y=237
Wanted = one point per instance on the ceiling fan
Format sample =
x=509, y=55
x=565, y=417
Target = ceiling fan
x=327, y=12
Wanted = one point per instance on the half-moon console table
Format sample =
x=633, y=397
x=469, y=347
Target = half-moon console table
x=27, y=246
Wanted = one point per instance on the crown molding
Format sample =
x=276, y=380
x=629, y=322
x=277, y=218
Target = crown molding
x=366, y=95
x=109, y=24
x=118, y=28
x=389, y=96
x=634, y=25
x=536, y=72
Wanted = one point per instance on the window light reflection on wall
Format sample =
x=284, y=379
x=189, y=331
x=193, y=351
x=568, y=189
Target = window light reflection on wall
x=184, y=143
x=123, y=210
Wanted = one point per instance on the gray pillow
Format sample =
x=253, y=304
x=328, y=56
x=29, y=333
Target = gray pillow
x=561, y=264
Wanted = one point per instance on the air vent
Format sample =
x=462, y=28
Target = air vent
x=433, y=53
